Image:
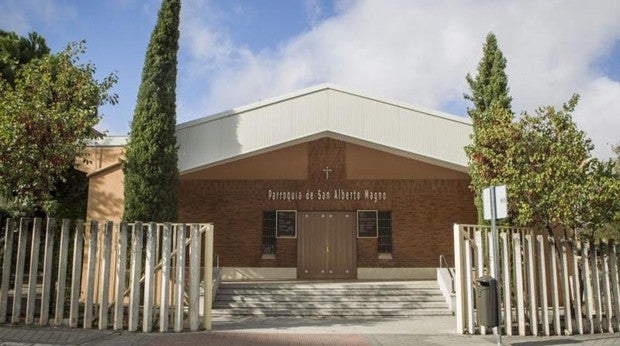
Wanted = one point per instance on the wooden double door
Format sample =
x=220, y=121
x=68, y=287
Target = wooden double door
x=326, y=245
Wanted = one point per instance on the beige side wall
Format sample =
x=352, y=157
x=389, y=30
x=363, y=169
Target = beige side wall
x=105, y=196
x=105, y=183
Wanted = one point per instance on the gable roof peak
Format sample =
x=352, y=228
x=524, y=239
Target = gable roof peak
x=315, y=89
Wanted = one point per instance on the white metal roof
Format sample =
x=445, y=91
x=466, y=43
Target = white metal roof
x=324, y=111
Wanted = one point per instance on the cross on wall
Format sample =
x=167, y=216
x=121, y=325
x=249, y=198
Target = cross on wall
x=327, y=170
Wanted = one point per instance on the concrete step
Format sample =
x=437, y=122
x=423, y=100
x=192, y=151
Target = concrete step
x=330, y=305
x=327, y=292
x=432, y=285
x=357, y=313
x=327, y=298
x=351, y=299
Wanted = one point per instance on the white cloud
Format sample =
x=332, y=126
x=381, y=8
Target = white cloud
x=417, y=52
x=598, y=114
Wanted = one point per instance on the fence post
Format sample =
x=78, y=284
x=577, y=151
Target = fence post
x=6, y=268
x=76, y=273
x=104, y=281
x=542, y=275
x=149, y=278
x=458, y=278
x=90, y=274
x=577, y=287
x=50, y=232
x=63, y=253
x=135, y=271
x=566, y=288
x=614, y=281
x=504, y=239
x=194, y=277
x=606, y=286
x=518, y=269
x=531, y=277
x=119, y=282
x=34, y=270
x=469, y=291
x=596, y=283
x=479, y=255
x=165, y=278
x=19, y=269
x=179, y=287
x=208, y=285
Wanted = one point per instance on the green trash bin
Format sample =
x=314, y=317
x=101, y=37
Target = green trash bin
x=487, y=301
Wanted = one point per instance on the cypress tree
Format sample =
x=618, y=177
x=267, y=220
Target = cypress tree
x=150, y=165
x=492, y=121
x=490, y=87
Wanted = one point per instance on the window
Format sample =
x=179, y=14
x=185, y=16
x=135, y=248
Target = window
x=384, y=242
x=269, y=232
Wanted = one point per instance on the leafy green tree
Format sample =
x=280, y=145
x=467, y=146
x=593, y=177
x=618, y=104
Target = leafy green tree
x=606, y=200
x=548, y=169
x=46, y=119
x=600, y=203
x=150, y=166
x=16, y=51
x=492, y=121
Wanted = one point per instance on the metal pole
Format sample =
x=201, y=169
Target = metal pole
x=498, y=329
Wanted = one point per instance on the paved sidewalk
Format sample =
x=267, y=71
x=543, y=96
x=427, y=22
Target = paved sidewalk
x=293, y=331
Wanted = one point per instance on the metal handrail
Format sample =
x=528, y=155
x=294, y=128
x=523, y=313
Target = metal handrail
x=442, y=259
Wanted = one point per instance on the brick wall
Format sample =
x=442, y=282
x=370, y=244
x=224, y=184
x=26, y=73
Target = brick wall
x=423, y=211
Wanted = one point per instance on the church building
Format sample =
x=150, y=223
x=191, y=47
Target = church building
x=323, y=183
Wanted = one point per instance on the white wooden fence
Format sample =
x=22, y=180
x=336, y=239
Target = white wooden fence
x=158, y=284
x=547, y=286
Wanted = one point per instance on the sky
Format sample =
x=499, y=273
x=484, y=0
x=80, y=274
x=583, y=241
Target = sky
x=236, y=52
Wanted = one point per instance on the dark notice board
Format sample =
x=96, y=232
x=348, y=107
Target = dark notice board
x=367, y=224
x=286, y=224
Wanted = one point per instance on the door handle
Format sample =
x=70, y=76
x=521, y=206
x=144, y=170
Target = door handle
x=327, y=248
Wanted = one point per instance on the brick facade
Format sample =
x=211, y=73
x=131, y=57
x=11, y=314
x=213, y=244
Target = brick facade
x=424, y=206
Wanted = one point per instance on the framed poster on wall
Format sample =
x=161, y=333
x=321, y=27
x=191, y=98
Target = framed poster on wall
x=286, y=224
x=367, y=224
